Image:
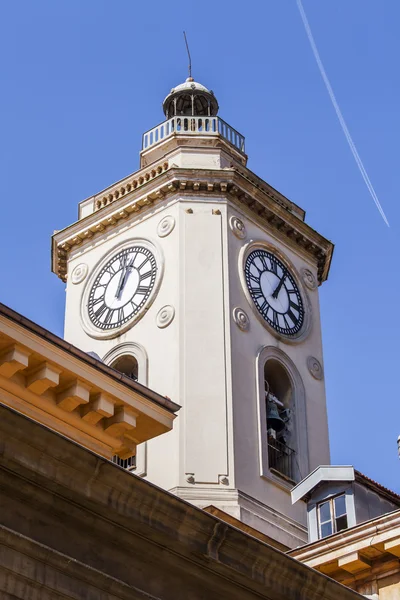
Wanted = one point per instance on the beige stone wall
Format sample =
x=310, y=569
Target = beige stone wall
x=73, y=525
x=389, y=588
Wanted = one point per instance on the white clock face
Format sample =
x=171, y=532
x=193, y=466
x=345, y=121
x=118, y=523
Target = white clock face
x=122, y=288
x=274, y=292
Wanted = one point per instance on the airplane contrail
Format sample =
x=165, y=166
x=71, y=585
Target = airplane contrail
x=339, y=112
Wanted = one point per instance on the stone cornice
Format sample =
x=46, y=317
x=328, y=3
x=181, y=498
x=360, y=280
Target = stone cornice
x=370, y=546
x=149, y=533
x=261, y=202
x=41, y=376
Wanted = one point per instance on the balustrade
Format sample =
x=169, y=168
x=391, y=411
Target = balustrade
x=191, y=125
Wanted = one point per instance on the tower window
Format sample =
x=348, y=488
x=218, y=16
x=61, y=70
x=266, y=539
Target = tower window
x=332, y=515
x=278, y=398
x=127, y=365
x=130, y=359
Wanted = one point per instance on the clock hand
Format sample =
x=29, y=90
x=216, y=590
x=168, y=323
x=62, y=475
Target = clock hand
x=121, y=279
x=124, y=276
x=279, y=286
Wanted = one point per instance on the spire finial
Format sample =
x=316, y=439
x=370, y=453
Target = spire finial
x=190, y=78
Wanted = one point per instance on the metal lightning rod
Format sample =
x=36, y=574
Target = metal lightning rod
x=187, y=48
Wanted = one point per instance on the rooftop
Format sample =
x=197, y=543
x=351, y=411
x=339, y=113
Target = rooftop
x=55, y=383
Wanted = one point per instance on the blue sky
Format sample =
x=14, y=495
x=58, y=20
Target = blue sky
x=81, y=82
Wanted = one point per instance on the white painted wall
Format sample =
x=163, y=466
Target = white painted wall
x=203, y=361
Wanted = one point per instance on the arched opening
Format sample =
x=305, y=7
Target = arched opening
x=128, y=365
x=279, y=400
x=130, y=359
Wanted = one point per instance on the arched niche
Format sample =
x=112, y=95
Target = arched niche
x=131, y=359
x=286, y=385
x=128, y=365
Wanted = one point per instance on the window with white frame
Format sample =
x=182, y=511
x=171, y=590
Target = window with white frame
x=332, y=515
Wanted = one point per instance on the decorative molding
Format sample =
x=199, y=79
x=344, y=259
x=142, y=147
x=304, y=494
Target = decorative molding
x=42, y=378
x=238, y=228
x=165, y=226
x=190, y=477
x=315, y=368
x=165, y=316
x=79, y=273
x=309, y=279
x=73, y=393
x=118, y=191
x=242, y=187
x=13, y=359
x=223, y=479
x=241, y=319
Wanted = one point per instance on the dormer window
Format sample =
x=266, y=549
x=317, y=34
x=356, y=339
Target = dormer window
x=332, y=515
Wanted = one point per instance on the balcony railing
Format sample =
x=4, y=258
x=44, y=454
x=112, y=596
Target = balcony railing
x=125, y=463
x=281, y=458
x=193, y=126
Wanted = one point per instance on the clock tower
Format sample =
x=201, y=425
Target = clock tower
x=199, y=279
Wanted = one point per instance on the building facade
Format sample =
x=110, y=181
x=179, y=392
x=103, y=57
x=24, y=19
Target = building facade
x=201, y=280
x=195, y=280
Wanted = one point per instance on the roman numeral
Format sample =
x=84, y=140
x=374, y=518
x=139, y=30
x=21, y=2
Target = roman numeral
x=262, y=307
x=292, y=316
x=264, y=262
x=294, y=305
x=142, y=290
x=111, y=269
x=286, y=322
x=253, y=264
x=108, y=317
x=256, y=291
x=120, y=314
x=274, y=267
x=100, y=311
x=275, y=318
x=97, y=301
x=143, y=276
x=143, y=263
x=131, y=259
x=255, y=279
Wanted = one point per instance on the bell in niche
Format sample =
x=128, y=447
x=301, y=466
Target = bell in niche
x=274, y=420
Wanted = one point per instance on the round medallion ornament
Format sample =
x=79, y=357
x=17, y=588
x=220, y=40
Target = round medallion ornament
x=309, y=279
x=238, y=227
x=241, y=319
x=165, y=226
x=79, y=273
x=315, y=368
x=165, y=316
